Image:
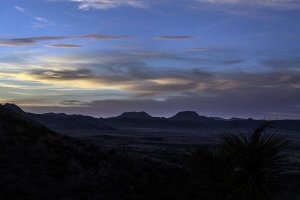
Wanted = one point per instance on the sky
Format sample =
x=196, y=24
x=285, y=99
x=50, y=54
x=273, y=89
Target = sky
x=226, y=58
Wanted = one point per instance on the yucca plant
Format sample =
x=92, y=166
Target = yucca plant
x=258, y=163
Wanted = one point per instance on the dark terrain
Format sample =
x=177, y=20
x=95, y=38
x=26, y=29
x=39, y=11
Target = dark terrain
x=140, y=131
x=132, y=156
x=37, y=163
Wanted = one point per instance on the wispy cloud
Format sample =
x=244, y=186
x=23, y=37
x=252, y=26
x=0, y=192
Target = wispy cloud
x=137, y=77
x=16, y=42
x=63, y=74
x=103, y=37
x=138, y=83
x=28, y=41
x=180, y=89
x=38, y=22
x=174, y=37
x=66, y=46
x=19, y=8
x=291, y=4
x=41, y=22
x=41, y=19
x=109, y=4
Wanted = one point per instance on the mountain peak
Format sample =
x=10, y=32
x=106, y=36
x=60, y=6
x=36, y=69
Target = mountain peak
x=187, y=116
x=13, y=107
x=135, y=115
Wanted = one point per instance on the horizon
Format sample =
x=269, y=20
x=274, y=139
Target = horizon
x=144, y=112
x=101, y=58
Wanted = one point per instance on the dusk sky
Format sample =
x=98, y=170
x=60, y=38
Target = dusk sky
x=221, y=58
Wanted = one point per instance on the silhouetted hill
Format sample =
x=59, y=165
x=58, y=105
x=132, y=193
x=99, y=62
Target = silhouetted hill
x=62, y=122
x=135, y=115
x=14, y=108
x=37, y=163
x=188, y=116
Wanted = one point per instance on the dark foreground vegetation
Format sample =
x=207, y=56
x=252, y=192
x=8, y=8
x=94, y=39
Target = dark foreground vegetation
x=37, y=163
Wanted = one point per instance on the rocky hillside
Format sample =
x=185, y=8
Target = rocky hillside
x=37, y=163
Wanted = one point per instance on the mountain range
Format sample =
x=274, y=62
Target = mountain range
x=38, y=163
x=184, y=120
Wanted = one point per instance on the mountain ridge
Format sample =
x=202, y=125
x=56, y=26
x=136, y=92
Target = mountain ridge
x=188, y=116
x=135, y=115
x=184, y=120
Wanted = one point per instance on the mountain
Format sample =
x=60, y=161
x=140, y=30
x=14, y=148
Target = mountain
x=186, y=120
x=188, y=116
x=61, y=122
x=135, y=115
x=37, y=163
x=14, y=108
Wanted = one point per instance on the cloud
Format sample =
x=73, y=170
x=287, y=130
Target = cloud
x=199, y=49
x=66, y=46
x=129, y=71
x=62, y=74
x=41, y=19
x=78, y=78
x=251, y=103
x=41, y=22
x=15, y=42
x=28, y=41
x=136, y=82
x=289, y=4
x=103, y=37
x=142, y=79
x=109, y=4
x=19, y=8
x=74, y=103
x=174, y=37
x=157, y=87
